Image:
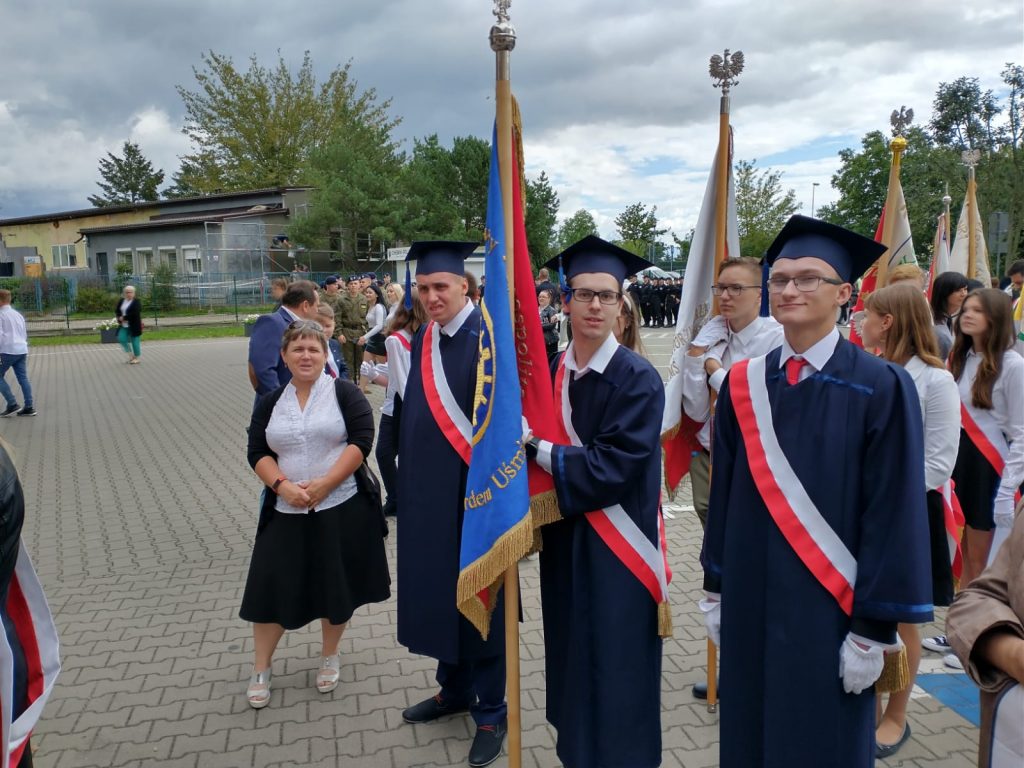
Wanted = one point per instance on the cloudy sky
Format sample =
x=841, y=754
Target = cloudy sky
x=618, y=106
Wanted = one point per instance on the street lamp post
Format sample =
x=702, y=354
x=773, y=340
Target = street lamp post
x=814, y=187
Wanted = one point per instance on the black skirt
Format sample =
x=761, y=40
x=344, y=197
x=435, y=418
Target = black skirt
x=942, y=568
x=976, y=485
x=375, y=345
x=322, y=565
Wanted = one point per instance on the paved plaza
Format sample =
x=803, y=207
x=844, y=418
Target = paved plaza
x=141, y=513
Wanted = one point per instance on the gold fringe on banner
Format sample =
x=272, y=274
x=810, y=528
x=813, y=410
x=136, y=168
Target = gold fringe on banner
x=517, y=140
x=664, y=619
x=895, y=672
x=544, y=508
x=488, y=572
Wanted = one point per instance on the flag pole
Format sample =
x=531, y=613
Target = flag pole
x=898, y=145
x=972, y=245
x=503, y=40
x=946, y=201
x=723, y=70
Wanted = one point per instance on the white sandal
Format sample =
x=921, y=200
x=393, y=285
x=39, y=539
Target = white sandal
x=329, y=673
x=258, y=692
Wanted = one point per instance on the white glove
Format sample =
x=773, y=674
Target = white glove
x=711, y=607
x=527, y=432
x=860, y=663
x=712, y=332
x=367, y=371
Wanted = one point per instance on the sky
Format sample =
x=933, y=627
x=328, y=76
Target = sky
x=617, y=103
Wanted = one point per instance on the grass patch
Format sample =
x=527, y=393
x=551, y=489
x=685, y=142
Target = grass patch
x=157, y=334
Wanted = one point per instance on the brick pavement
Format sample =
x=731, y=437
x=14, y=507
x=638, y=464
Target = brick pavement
x=141, y=513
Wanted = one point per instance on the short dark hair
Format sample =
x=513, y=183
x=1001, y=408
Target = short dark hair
x=1017, y=268
x=298, y=292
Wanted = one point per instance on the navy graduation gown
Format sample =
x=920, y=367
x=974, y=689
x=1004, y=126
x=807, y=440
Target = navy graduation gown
x=431, y=490
x=853, y=435
x=602, y=650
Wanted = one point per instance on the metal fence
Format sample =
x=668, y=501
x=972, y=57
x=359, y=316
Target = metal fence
x=71, y=298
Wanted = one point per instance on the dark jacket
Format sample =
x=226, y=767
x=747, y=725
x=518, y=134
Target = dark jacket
x=132, y=314
x=268, y=367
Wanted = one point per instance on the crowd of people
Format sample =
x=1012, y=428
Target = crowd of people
x=827, y=534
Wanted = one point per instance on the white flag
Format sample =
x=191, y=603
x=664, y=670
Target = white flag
x=959, y=255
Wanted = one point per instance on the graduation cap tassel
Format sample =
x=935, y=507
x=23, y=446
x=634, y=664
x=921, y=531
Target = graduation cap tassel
x=895, y=672
x=408, y=288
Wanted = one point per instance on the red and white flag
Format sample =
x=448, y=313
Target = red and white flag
x=678, y=431
x=30, y=616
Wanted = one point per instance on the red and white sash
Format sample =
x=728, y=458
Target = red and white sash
x=984, y=431
x=404, y=339
x=450, y=419
x=953, y=518
x=802, y=525
x=647, y=561
x=30, y=615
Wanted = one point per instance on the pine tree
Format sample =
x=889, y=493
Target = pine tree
x=128, y=179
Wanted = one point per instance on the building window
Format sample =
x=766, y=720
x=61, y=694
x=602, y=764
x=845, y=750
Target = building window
x=169, y=256
x=193, y=259
x=145, y=260
x=124, y=256
x=63, y=256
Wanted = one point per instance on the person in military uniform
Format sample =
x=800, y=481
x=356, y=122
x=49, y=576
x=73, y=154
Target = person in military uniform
x=332, y=294
x=350, y=318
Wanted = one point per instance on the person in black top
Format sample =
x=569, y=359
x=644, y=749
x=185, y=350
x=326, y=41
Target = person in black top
x=129, y=315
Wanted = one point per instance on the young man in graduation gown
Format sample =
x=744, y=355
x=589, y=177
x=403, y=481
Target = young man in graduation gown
x=601, y=606
x=817, y=542
x=433, y=434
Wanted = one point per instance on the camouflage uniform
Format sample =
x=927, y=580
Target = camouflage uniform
x=350, y=321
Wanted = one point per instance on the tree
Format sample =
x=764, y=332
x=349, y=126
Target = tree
x=575, y=228
x=127, y=179
x=259, y=128
x=682, y=252
x=962, y=115
x=541, y=216
x=761, y=207
x=638, y=228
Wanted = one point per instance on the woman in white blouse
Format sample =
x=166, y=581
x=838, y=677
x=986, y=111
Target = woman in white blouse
x=897, y=321
x=373, y=340
x=990, y=467
x=319, y=548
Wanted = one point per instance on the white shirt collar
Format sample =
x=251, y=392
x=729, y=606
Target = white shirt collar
x=294, y=316
x=749, y=332
x=598, y=362
x=818, y=355
x=455, y=324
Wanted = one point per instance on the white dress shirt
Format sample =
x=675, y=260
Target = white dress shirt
x=454, y=325
x=1007, y=410
x=759, y=338
x=940, y=409
x=399, y=362
x=308, y=441
x=13, y=337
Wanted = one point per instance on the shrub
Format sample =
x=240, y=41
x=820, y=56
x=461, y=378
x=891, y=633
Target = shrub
x=92, y=298
x=162, y=294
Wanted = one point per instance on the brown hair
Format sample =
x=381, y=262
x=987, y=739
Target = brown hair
x=631, y=328
x=906, y=272
x=279, y=282
x=326, y=310
x=912, y=332
x=5, y=296
x=753, y=266
x=303, y=329
x=298, y=292
x=408, y=319
x=995, y=305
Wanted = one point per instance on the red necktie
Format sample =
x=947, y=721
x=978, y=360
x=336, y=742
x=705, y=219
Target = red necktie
x=793, y=366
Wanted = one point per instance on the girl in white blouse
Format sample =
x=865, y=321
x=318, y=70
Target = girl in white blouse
x=898, y=322
x=373, y=340
x=990, y=467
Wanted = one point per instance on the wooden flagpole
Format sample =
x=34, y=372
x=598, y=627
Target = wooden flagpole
x=503, y=40
x=897, y=145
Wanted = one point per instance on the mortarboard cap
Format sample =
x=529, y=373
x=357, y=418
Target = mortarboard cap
x=848, y=253
x=592, y=254
x=440, y=256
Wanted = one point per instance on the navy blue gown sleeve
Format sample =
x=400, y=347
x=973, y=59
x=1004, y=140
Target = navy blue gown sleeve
x=726, y=438
x=598, y=474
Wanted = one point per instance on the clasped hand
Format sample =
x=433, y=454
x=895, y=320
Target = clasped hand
x=308, y=493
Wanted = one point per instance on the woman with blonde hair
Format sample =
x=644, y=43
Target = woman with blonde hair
x=897, y=321
x=627, y=326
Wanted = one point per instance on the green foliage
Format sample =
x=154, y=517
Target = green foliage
x=122, y=275
x=541, y=216
x=761, y=207
x=575, y=228
x=638, y=227
x=258, y=128
x=128, y=179
x=94, y=298
x=963, y=115
x=162, y=295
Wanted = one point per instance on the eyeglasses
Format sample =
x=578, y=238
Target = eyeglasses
x=585, y=295
x=804, y=283
x=305, y=325
x=732, y=290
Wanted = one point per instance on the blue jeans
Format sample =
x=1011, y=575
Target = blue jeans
x=18, y=363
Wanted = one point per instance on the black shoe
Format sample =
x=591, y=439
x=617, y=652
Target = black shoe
x=432, y=709
x=883, y=751
x=487, y=744
x=700, y=691
x=10, y=411
x=28, y=410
